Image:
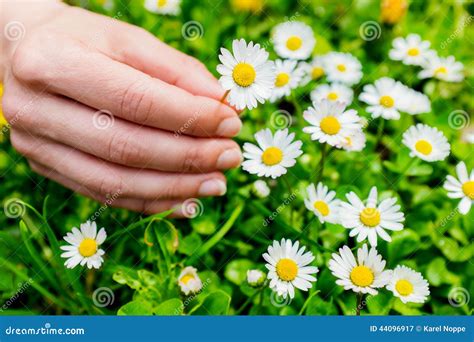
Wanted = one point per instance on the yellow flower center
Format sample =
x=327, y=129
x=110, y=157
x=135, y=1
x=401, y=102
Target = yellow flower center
x=341, y=67
x=424, y=147
x=294, y=43
x=317, y=72
x=348, y=141
x=333, y=96
x=370, y=217
x=362, y=276
x=322, y=207
x=282, y=79
x=248, y=5
x=330, y=125
x=186, y=278
x=386, y=101
x=161, y=3
x=441, y=70
x=272, y=156
x=404, y=287
x=468, y=189
x=244, y=74
x=88, y=247
x=413, y=52
x=287, y=269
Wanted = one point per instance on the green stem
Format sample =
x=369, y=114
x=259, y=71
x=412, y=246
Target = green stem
x=404, y=171
x=248, y=301
x=321, y=163
x=380, y=130
x=359, y=303
x=307, y=302
x=288, y=185
x=296, y=104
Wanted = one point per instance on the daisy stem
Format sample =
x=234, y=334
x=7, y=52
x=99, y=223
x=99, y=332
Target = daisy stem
x=380, y=130
x=288, y=185
x=296, y=104
x=359, y=303
x=224, y=96
x=321, y=163
x=404, y=171
x=249, y=300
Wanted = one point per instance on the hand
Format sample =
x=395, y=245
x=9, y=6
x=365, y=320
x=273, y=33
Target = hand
x=167, y=134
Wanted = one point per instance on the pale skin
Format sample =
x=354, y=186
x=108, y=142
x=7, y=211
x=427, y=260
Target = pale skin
x=171, y=136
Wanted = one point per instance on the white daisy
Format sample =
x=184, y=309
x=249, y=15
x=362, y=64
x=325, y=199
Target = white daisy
x=384, y=97
x=293, y=40
x=333, y=92
x=313, y=70
x=354, y=142
x=288, y=268
x=171, y=7
x=363, y=275
x=260, y=188
x=372, y=219
x=322, y=203
x=408, y=285
x=247, y=74
x=189, y=281
x=84, y=245
x=273, y=155
x=411, y=50
x=427, y=143
x=330, y=122
x=343, y=68
x=415, y=102
x=287, y=78
x=443, y=68
x=255, y=278
x=461, y=187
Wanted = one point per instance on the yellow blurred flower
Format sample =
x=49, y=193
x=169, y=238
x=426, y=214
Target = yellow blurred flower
x=247, y=5
x=3, y=122
x=392, y=11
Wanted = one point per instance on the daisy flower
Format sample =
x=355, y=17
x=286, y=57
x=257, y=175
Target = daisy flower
x=333, y=92
x=415, y=102
x=427, y=143
x=330, y=122
x=313, y=70
x=288, y=268
x=189, y=281
x=408, y=285
x=445, y=69
x=293, y=40
x=372, y=219
x=411, y=50
x=260, y=188
x=170, y=7
x=255, y=278
x=343, y=68
x=84, y=245
x=287, y=77
x=253, y=6
x=354, y=142
x=461, y=187
x=273, y=155
x=384, y=97
x=247, y=74
x=363, y=275
x=322, y=203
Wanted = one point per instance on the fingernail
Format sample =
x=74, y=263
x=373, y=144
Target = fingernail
x=212, y=187
x=229, y=127
x=229, y=158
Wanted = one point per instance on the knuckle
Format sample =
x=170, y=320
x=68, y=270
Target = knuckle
x=110, y=184
x=124, y=149
x=191, y=159
x=137, y=102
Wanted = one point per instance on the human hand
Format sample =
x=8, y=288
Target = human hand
x=167, y=138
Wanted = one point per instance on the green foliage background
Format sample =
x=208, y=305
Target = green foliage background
x=145, y=255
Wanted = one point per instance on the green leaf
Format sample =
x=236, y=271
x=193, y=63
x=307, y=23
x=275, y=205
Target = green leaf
x=216, y=303
x=403, y=243
x=171, y=307
x=236, y=270
x=190, y=244
x=318, y=306
x=136, y=308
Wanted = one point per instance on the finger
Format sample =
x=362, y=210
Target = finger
x=126, y=143
x=110, y=179
x=106, y=84
x=139, y=205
